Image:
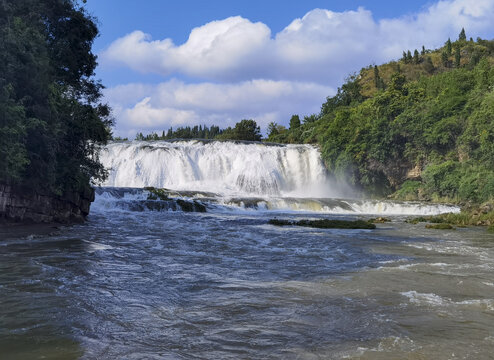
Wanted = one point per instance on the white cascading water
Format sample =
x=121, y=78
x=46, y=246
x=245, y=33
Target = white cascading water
x=227, y=168
x=240, y=175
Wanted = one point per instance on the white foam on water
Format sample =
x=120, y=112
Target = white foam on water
x=431, y=299
x=222, y=167
x=242, y=176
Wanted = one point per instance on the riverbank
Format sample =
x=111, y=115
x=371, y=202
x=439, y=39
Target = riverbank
x=471, y=215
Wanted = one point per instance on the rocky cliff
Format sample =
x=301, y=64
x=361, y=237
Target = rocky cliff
x=19, y=204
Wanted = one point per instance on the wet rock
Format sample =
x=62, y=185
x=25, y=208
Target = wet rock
x=441, y=226
x=21, y=204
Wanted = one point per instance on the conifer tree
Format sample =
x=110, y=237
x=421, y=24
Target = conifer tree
x=462, y=36
x=445, y=58
x=457, y=55
x=416, y=58
x=404, y=58
x=449, y=48
x=428, y=65
x=423, y=50
x=378, y=82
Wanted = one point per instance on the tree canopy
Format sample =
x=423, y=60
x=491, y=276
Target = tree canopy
x=247, y=130
x=425, y=132
x=51, y=117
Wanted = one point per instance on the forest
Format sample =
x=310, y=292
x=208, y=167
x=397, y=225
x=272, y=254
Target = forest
x=420, y=128
x=246, y=130
x=51, y=115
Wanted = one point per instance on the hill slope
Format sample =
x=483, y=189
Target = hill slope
x=418, y=128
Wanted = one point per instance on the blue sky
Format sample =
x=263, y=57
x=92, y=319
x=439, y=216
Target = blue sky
x=178, y=63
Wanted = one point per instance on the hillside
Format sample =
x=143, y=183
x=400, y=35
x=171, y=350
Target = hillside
x=421, y=127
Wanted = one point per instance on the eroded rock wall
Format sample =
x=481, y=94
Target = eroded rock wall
x=18, y=204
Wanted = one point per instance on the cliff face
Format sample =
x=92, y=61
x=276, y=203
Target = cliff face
x=27, y=205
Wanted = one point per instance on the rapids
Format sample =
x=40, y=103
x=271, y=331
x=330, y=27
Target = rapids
x=236, y=175
x=201, y=274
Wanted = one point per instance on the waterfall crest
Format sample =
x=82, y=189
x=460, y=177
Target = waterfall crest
x=226, y=168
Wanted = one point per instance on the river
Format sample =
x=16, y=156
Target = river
x=138, y=281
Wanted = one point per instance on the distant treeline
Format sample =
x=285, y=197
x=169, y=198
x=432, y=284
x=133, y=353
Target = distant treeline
x=187, y=132
x=243, y=130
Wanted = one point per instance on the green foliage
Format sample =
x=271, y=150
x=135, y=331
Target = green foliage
x=416, y=58
x=482, y=215
x=378, y=82
x=457, y=55
x=244, y=130
x=428, y=65
x=294, y=122
x=187, y=132
x=462, y=36
x=437, y=119
x=408, y=191
x=51, y=118
x=449, y=48
x=276, y=132
x=445, y=59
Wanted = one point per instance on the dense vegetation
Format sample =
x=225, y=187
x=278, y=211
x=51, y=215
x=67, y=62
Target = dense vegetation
x=187, y=132
x=51, y=118
x=418, y=128
x=243, y=130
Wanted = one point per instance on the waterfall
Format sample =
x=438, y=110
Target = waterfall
x=225, y=168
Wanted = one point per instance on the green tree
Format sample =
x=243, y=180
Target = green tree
x=428, y=65
x=247, y=130
x=462, y=36
x=445, y=59
x=449, y=47
x=52, y=119
x=416, y=58
x=294, y=122
x=244, y=130
x=274, y=131
x=457, y=55
x=378, y=82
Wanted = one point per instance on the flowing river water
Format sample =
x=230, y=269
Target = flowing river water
x=142, y=279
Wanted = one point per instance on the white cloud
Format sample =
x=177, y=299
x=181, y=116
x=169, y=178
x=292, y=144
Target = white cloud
x=323, y=46
x=296, y=68
x=140, y=107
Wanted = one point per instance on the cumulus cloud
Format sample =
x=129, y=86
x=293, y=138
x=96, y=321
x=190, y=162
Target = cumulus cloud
x=323, y=46
x=295, y=68
x=141, y=107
